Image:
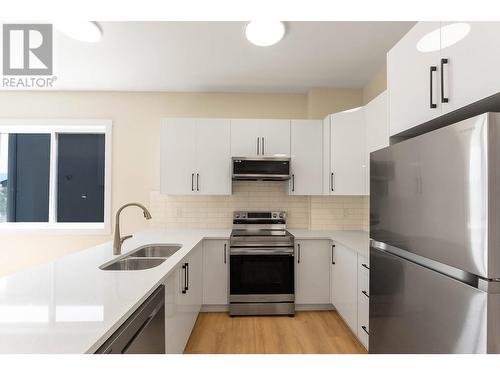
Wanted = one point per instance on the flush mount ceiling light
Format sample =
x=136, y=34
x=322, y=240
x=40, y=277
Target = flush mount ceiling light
x=84, y=31
x=264, y=33
x=443, y=37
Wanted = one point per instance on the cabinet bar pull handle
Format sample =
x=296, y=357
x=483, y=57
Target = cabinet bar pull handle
x=225, y=253
x=258, y=145
x=184, y=277
x=365, y=293
x=197, y=182
x=192, y=181
x=432, y=70
x=333, y=262
x=187, y=276
x=443, y=99
x=298, y=253
x=364, y=329
x=364, y=265
x=263, y=146
x=293, y=182
x=332, y=178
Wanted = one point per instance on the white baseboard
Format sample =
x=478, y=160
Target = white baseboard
x=214, y=308
x=301, y=307
x=315, y=307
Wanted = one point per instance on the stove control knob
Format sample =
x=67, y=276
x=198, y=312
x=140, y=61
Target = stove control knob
x=281, y=216
x=237, y=216
x=274, y=215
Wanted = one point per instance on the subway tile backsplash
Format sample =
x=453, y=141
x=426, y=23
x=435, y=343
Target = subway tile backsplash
x=304, y=212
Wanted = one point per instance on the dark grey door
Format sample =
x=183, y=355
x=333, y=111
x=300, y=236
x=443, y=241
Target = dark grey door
x=80, y=176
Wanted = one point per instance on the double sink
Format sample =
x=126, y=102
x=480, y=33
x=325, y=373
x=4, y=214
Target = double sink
x=143, y=258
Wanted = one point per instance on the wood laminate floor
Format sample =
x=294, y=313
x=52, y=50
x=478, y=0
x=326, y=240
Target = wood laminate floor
x=312, y=332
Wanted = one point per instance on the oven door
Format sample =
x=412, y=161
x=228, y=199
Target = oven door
x=261, y=275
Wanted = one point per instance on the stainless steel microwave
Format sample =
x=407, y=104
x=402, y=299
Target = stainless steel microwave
x=264, y=168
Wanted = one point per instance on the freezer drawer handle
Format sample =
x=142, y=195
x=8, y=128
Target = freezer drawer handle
x=258, y=145
x=364, y=265
x=365, y=293
x=364, y=329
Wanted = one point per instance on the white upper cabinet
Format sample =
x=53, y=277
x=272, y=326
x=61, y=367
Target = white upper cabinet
x=245, y=137
x=377, y=124
x=347, y=153
x=178, y=156
x=256, y=137
x=471, y=70
x=275, y=137
x=195, y=156
x=455, y=62
x=213, y=158
x=307, y=157
x=413, y=77
x=377, y=130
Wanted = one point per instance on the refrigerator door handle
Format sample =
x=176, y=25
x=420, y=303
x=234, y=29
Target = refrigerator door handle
x=452, y=272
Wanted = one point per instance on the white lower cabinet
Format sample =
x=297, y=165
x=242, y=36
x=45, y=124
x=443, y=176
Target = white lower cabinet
x=312, y=272
x=215, y=272
x=183, y=289
x=344, y=295
x=363, y=299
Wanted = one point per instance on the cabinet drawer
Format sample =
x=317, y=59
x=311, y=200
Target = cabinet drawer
x=364, y=263
x=363, y=275
x=363, y=319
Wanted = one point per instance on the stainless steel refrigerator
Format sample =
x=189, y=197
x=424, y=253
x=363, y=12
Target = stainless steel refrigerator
x=435, y=241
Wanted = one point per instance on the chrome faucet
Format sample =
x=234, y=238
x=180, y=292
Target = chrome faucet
x=118, y=240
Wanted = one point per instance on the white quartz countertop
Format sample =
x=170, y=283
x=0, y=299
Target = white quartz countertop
x=356, y=240
x=71, y=306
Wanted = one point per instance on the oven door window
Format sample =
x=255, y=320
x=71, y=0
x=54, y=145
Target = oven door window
x=261, y=274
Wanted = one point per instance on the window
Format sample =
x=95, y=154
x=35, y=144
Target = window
x=55, y=175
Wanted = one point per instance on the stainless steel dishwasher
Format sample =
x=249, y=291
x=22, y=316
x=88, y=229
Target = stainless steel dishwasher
x=143, y=332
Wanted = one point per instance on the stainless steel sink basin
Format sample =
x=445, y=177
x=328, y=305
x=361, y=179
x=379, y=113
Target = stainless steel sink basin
x=145, y=257
x=133, y=264
x=156, y=251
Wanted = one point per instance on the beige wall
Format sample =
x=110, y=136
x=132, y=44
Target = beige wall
x=377, y=85
x=322, y=102
x=135, y=162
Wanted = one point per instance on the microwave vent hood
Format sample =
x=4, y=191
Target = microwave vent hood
x=265, y=168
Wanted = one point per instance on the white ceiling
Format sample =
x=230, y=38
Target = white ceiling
x=215, y=56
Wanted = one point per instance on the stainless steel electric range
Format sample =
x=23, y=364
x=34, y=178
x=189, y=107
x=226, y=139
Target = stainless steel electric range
x=261, y=264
